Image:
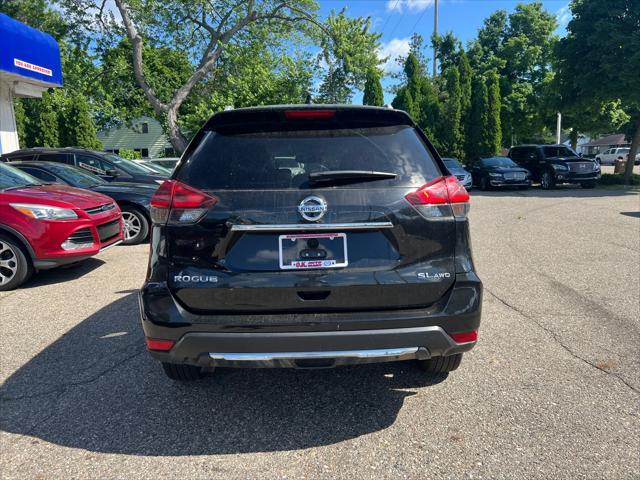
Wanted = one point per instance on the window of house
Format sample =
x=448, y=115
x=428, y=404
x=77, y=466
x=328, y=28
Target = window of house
x=169, y=152
x=144, y=152
x=145, y=127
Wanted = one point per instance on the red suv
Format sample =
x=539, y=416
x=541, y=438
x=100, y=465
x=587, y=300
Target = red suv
x=44, y=226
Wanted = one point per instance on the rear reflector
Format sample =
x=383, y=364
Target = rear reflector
x=160, y=345
x=441, y=197
x=308, y=114
x=177, y=203
x=465, y=336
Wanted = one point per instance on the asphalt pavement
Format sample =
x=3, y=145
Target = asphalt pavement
x=551, y=391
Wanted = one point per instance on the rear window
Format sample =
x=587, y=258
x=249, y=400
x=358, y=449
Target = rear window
x=284, y=159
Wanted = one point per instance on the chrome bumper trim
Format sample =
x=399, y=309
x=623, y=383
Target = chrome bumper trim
x=287, y=227
x=410, y=352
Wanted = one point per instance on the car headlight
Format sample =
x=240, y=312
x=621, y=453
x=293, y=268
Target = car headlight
x=559, y=167
x=495, y=175
x=44, y=212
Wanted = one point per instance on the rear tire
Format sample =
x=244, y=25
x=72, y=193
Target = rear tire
x=588, y=184
x=136, y=225
x=182, y=373
x=441, y=364
x=15, y=264
x=484, y=184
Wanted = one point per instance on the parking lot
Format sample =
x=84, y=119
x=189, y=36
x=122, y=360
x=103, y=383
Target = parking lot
x=551, y=391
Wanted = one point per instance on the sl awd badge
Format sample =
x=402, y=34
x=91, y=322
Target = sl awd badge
x=312, y=208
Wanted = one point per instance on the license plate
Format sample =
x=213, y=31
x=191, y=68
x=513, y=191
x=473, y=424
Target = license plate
x=313, y=250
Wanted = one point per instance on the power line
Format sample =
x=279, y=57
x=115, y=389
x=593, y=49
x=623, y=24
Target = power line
x=388, y=17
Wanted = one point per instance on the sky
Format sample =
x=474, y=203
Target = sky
x=397, y=20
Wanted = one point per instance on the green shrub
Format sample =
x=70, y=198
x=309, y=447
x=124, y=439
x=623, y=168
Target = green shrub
x=130, y=154
x=618, y=179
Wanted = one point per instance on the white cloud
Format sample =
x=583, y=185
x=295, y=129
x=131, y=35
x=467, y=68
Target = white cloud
x=564, y=16
x=411, y=5
x=391, y=50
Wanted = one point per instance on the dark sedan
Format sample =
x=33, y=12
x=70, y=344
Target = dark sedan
x=494, y=172
x=132, y=198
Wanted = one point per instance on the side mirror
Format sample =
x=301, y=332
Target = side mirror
x=112, y=172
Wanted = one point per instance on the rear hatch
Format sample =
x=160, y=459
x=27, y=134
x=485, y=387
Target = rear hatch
x=309, y=214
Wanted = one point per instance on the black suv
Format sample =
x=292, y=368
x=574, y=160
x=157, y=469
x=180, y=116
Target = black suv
x=358, y=253
x=553, y=164
x=108, y=166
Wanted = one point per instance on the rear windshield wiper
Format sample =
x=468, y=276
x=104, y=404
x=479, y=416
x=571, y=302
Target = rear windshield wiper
x=349, y=176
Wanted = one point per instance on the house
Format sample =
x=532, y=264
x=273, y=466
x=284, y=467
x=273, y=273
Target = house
x=599, y=145
x=144, y=135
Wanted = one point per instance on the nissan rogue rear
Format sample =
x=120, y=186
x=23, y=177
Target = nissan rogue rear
x=307, y=237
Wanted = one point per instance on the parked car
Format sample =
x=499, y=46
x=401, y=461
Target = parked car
x=134, y=199
x=553, y=164
x=499, y=172
x=153, y=167
x=45, y=226
x=460, y=173
x=107, y=166
x=365, y=256
x=166, y=162
x=608, y=157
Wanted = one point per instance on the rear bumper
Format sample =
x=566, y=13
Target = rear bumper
x=311, y=339
x=311, y=349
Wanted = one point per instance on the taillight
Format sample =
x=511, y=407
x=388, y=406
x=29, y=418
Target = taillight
x=465, y=337
x=442, y=197
x=177, y=203
x=308, y=114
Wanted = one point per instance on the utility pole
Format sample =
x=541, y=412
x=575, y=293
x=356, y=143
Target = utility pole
x=435, y=30
x=558, y=127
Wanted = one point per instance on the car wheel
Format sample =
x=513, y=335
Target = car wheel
x=441, y=364
x=484, y=184
x=588, y=184
x=136, y=225
x=547, y=180
x=15, y=266
x=182, y=373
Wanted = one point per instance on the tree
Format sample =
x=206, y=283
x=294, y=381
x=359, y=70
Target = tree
x=201, y=28
x=450, y=127
x=492, y=138
x=519, y=46
x=600, y=57
x=348, y=55
x=42, y=126
x=77, y=127
x=373, y=94
x=475, y=141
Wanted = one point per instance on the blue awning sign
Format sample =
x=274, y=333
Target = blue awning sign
x=28, y=55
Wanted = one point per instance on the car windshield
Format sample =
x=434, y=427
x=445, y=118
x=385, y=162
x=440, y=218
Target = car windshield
x=451, y=163
x=288, y=159
x=561, y=151
x=11, y=177
x=75, y=176
x=498, y=162
x=128, y=166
